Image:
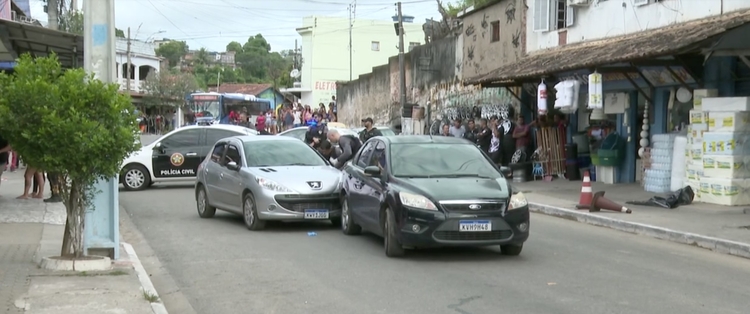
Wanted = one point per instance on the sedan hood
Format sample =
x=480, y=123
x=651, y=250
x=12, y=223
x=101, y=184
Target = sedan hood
x=444, y=189
x=297, y=177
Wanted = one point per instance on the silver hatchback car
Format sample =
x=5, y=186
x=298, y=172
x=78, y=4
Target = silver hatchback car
x=268, y=178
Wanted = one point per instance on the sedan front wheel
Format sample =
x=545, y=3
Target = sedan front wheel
x=250, y=214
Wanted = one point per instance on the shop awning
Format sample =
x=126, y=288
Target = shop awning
x=659, y=42
x=19, y=38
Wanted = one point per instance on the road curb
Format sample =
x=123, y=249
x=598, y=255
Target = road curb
x=146, y=284
x=715, y=244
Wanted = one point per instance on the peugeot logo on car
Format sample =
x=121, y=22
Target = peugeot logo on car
x=315, y=185
x=475, y=207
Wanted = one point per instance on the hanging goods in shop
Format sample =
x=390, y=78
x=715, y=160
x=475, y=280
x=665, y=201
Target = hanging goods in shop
x=541, y=98
x=565, y=96
x=596, y=95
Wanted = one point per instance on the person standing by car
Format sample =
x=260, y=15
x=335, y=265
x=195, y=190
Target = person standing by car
x=471, y=132
x=349, y=145
x=316, y=133
x=484, y=136
x=369, y=131
x=457, y=129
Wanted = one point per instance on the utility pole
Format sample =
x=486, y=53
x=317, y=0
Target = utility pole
x=401, y=63
x=352, y=12
x=53, y=14
x=127, y=79
x=218, y=80
x=73, y=5
x=99, y=59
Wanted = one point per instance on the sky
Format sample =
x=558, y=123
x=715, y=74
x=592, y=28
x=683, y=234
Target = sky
x=214, y=23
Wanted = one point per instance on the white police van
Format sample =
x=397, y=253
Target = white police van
x=175, y=156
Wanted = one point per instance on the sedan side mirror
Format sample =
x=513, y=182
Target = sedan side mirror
x=372, y=171
x=233, y=166
x=506, y=171
x=157, y=146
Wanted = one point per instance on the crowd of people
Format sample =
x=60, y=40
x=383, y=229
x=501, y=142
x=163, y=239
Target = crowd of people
x=289, y=116
x=499, y=140
x=34, y=178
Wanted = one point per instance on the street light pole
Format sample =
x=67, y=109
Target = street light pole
x=401, y=62
x=101, y=229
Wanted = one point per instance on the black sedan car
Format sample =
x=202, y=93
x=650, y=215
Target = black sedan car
x=422, y=191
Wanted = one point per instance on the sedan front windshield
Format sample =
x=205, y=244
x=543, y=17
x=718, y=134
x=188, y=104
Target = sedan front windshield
x=281, y=153
x=433, y=160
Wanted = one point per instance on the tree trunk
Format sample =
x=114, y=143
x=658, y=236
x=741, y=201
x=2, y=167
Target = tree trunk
x=76, y=209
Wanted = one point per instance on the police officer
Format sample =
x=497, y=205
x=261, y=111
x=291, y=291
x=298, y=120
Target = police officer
x=316, y=133
x=369, y=131
x=349, y=145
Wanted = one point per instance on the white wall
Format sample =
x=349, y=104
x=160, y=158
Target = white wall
x=607, y=18
x=325, y=51
x=141, y=54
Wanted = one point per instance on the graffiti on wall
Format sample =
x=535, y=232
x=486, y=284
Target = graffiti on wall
x=483, y=54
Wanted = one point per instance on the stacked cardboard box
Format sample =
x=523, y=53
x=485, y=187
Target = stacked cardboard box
x=694, y=152
x=725, y=151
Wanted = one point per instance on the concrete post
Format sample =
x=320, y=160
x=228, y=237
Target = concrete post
x=101, y=232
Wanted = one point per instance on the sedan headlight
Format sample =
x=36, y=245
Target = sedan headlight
x=518, y=200
x=271, y=185
x=416, y=201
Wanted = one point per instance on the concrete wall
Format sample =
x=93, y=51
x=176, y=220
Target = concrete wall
x=606, y=18
x=376, y=94
x=480, y=53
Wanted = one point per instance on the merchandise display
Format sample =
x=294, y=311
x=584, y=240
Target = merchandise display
x=718, y=150
x=658, y=178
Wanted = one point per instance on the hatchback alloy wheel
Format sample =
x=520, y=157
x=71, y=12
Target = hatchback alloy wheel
x=205, y=210
x=250, y=214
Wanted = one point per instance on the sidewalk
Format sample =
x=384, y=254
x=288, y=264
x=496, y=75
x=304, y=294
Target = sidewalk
x=720, y=228
x=31, y=229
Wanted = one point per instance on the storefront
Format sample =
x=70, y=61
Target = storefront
x=642, y=74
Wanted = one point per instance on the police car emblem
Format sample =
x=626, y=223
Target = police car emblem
x=176, y=159
x=315, y=185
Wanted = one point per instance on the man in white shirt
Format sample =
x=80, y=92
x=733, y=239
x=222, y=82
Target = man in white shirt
x=457, y=129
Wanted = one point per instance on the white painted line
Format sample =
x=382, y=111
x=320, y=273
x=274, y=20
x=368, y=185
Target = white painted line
x=146, y=284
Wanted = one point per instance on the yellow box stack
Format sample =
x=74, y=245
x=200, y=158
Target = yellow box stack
x=723, y=139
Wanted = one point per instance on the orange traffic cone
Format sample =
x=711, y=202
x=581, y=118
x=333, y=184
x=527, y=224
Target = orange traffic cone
x=600, y=202
x=587, y=194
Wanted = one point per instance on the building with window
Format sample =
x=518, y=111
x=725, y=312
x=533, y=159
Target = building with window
x=492, y=36
x=143, y=61
x=325, y=52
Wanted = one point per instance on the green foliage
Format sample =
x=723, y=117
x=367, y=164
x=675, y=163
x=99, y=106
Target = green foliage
x=173, y=51
x=255, y=64
x=69, y=123
x=168, y=88
x=71, y=22
x=119, y=33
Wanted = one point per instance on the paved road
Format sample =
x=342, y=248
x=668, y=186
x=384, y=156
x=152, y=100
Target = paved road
x=566, y=267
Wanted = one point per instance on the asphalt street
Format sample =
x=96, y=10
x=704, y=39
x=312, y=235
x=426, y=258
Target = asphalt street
x=566, y=267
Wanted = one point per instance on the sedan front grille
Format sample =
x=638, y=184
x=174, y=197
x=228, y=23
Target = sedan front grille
x=473, y=236
x=300, y=203
x=484, y=207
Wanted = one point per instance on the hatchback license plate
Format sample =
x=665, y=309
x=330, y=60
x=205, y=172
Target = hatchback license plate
x=475, y=225
x=316, y=214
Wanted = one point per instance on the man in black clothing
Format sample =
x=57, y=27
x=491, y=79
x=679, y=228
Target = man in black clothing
x=349, y=145
x=54, y=180
x=369, y=131
x=471, y=132
x=326, y=149
x=484, y=136
x=316, y=133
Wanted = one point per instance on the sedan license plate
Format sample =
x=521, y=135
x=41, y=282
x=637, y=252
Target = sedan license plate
x=475, y=225
x=316, y=214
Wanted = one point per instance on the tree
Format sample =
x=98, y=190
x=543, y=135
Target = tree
x=70, y=123
x=168, y=88
x=453, y=9
x=202, y=57
x=173, y=51
x=72, y=22
x=234, y=46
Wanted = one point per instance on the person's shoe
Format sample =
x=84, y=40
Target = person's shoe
x=53, y=199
